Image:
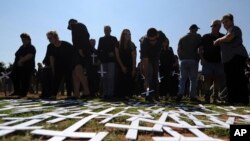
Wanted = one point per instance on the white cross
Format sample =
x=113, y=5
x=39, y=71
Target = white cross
x=159, y=77
x=147, y=92
x=93, y=57
x=70, y=131
x=5, y=75
x=101, y=71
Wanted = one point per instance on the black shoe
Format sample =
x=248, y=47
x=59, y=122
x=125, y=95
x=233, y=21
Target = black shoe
x=178, y=99
x=14, y=94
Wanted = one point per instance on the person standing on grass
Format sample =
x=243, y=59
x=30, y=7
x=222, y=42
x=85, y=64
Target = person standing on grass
x=189, y=59
x=60, y=56
x=234, y=56
x=126, y=58
x=80, y=39
x=23, y=66
x=212, y=68
x=106, y=53
x=150, y=55
x=92, y=70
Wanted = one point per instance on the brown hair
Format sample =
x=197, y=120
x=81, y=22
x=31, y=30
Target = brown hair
x=25, y=36
x=53, y=33
x=122, y=39
x=228, y=16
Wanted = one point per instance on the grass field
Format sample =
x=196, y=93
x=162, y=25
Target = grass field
x=97, y=105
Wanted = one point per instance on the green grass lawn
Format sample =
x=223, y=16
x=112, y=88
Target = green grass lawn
x=119, y=134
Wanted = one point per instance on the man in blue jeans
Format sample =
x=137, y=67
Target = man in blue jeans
x=189, y=59
x=106, y=53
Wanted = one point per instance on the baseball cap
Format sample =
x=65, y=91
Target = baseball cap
x=70, y=21
x=194, y=26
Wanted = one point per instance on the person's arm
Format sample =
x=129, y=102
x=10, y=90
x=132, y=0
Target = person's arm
x=134, y=63
x=145, y=71
x=119, y=60
x=227, y=38
x=52, y=64
x=25, y=58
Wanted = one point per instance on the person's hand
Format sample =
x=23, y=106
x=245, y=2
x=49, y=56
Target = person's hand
x=124, y=69
x=217, y=42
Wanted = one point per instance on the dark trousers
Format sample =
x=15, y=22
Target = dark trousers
x=21, y=80
x=169, y=85
x=46, y=82
x=60, y=75
x=93, y=79
x=124, y=83
x=236, y=80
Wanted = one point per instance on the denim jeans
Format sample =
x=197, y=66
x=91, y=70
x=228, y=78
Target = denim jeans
x=108, y=84
x=188, y=69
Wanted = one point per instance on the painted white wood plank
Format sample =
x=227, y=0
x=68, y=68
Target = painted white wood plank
x=63, y=118
x=197, y=132
x=22, y=125
x=158, y=127
x=111, y=117
x=79, y=124
x=99, y=137
x=61, y=134
x=230, y=120
x=132, y=133
x=121, y=126
x=175, y=125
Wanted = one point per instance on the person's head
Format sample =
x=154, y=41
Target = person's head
x=193, y=28
x=152, y=35
x=26, y=40
x=52, y=37
x=163, y=39
x=125, y=36
x=71, y=22
x=227, y=21
x=215, y=26
x=92, y=42
x=107, y=30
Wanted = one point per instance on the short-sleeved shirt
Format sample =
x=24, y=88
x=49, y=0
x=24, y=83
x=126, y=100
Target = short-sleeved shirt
x=189, y=45
x=211, y=53
x=23, y=51
x=80, y=38
x=125, y=53
x=234, y=47
x=150, y=51
x=106, y=49
x=62, y=54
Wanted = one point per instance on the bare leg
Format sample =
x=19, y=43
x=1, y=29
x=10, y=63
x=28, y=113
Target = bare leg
x=80, y=78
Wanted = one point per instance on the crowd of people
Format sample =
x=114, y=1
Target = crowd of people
x=110, y=71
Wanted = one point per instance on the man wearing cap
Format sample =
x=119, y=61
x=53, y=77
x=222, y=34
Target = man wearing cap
x=212, y=68
x=188, y=54
x=80, y=39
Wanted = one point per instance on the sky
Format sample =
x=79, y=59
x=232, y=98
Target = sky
x=173, y=17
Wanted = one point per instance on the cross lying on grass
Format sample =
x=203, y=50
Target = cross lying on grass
x=162, y=120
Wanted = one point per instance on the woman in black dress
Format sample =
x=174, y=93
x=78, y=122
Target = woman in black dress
x=126, y=58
